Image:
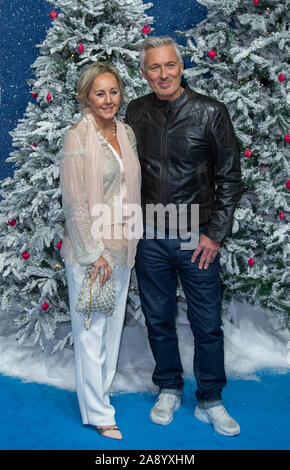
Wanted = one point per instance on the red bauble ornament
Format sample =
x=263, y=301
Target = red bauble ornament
x=248, y=153
x=281, y=77
x=48, y=97
x=59, y=245
x=146, y=29
x=25, y=255
x=45, y=306
x=12, y=222
x=256, y=2
x=287, y=138
x=53, y=14
x=251, y=262
x=282, y=215
x=211, y=53
x=287, y=184
x=81, y=48
x=34, y=95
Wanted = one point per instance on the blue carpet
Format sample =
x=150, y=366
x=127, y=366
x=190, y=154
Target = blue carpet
x=35, y=416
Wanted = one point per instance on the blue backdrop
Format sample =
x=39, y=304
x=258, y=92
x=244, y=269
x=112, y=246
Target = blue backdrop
x=24, y=25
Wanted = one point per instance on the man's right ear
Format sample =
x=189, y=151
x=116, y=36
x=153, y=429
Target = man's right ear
x=143, y=73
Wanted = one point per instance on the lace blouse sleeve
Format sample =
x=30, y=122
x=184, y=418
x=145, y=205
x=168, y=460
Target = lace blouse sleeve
x=86, y=249
x=132, y=139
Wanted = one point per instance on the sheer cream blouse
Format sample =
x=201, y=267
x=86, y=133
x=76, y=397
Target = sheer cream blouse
x=79, y=244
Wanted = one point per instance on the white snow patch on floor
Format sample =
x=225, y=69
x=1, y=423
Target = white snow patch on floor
x=254, y=341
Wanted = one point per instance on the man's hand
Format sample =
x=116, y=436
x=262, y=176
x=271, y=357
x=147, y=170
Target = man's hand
x=102, y=266
x=208, y=249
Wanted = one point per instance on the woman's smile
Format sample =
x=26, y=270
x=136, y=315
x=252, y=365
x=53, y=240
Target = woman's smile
x=104, y=98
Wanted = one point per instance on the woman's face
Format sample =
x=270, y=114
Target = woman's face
x=104, y=97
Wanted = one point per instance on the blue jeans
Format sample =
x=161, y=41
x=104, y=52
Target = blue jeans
x=159, y=262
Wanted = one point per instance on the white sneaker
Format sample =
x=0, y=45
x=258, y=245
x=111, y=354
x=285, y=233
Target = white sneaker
x=219, y=418
x=162, y=411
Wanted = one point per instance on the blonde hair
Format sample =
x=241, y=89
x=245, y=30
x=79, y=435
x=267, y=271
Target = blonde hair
x=88, y=76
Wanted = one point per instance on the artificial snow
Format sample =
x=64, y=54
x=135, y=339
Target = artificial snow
x=254, y=341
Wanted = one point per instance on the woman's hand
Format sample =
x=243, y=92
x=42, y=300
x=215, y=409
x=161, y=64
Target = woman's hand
x=102, y=266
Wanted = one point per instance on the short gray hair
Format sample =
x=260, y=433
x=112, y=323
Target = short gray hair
x=158, y=41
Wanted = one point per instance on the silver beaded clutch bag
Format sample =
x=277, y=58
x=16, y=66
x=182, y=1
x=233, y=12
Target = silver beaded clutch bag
x=96, y=298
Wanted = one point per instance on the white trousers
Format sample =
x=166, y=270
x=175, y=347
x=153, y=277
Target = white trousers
x=96, y=349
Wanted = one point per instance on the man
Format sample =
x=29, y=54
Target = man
x=189, y=155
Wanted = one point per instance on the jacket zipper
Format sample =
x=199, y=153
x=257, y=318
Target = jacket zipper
x=164, y=160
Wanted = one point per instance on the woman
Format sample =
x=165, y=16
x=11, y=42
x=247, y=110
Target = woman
x=99, y=168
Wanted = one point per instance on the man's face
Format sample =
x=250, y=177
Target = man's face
x=163, y=72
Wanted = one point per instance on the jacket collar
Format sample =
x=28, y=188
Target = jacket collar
x=180, y=101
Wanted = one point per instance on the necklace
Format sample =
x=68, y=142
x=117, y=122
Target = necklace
x=114, y=131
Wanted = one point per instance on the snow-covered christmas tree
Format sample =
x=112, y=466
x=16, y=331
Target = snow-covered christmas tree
x=33, y=278
x=240, y=55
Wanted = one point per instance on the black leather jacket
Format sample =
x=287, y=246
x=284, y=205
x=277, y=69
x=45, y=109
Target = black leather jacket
x=189, y=154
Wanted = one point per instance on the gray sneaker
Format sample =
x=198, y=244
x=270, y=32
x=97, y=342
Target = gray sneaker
x=222, y=422
x=162, y=411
